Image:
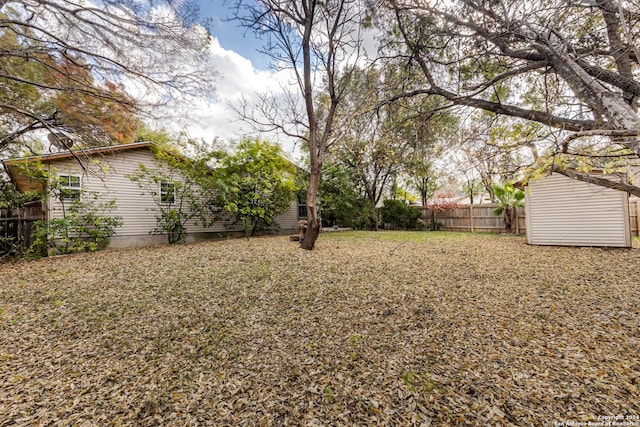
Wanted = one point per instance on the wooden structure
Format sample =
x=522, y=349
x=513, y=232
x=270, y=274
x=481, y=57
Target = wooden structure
x=564, y=211
x=480, y=219
x=16, y=227
x=475, y=218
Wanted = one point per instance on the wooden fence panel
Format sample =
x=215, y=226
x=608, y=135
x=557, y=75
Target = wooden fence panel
x=480, y=218
x=477, y=218
x=633, y=214
x=16, y=227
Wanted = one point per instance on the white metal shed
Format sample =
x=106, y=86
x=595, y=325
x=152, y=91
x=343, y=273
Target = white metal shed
x=566, y=212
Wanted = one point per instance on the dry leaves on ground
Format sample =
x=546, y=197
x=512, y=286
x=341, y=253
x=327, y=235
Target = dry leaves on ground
x=386, y=328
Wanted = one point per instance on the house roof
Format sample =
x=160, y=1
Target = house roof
x=24, y=183
x=85, y=152
x=599, y=173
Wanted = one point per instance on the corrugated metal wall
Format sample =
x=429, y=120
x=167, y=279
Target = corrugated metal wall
x=563, y=211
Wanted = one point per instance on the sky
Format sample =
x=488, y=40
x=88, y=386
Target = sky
x=218, y=14
x=243, y=71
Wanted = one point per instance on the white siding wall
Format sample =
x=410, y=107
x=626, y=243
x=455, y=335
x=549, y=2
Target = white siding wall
x=288, y=220
x=106, y=176
x=563, y=211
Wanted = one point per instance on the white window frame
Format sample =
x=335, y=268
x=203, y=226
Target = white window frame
x=65, y=185
x=165, y=193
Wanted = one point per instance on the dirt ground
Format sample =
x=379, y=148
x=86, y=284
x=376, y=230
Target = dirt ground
x=383, y=328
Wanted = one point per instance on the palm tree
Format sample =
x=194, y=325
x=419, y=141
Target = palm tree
x=508, y=198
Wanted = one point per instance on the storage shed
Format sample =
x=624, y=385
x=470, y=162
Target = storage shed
x=566, y=212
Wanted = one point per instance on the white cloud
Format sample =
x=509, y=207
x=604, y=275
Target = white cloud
x=209, y=117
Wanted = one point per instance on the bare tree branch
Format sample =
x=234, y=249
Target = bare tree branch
x=65, y=48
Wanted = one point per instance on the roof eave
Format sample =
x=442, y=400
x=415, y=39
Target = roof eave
x=88, y=151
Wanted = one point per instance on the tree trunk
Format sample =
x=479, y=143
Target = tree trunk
x=603, y=182
x=508, y=220
x=316, y=148
x=313, y=229
x=313, y=225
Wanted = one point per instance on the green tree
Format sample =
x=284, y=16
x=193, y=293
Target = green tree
x=175, y=183
x=255, y=184
x=399, y=214
x=370, y=143
x=343, y=201
x=574, y=64
x=383, y=141
x=509, y=198
x=64, y=65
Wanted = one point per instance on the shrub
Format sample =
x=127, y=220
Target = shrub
x=171, y=223
x=399, y=214
x=509, y=199
x=254, y=185
x=81, y=229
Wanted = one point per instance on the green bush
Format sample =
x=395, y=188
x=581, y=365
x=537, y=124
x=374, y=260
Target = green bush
x=170, y=221
x=82, y=229
x=254, y=185
x=399, y=214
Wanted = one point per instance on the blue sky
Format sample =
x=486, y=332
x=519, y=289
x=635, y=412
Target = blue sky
x=243, y=73
x=218, y=14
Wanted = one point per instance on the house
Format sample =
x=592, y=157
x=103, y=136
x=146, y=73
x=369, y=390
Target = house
x=104, y=172
x=567, y=212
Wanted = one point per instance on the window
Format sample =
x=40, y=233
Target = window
x=302, y=211
x=70, y=187
x=167, y=192
x=302, y=206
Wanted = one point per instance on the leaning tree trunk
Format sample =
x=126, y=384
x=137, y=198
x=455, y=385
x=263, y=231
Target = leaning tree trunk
x=313, y=229
x=606, y=103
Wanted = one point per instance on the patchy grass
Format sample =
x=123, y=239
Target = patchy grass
x=369, y=328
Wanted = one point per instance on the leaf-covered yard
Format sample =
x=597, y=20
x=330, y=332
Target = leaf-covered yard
x=387, y=328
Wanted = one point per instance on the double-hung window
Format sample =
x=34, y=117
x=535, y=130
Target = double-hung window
x=167, y=192
x=70, y=187
x=302, y=207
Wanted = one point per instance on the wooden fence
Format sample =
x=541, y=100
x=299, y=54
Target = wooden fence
x=480, y=218
x=634, y=209
x=16, y=226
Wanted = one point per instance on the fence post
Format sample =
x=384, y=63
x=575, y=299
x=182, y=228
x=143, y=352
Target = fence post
x=471, y=217
x=637, y=218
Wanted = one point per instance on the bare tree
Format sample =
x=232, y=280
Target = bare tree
x=370, y=143
x=93, y=58
x=319, y=42
x=572, y=66
x=496, y=151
